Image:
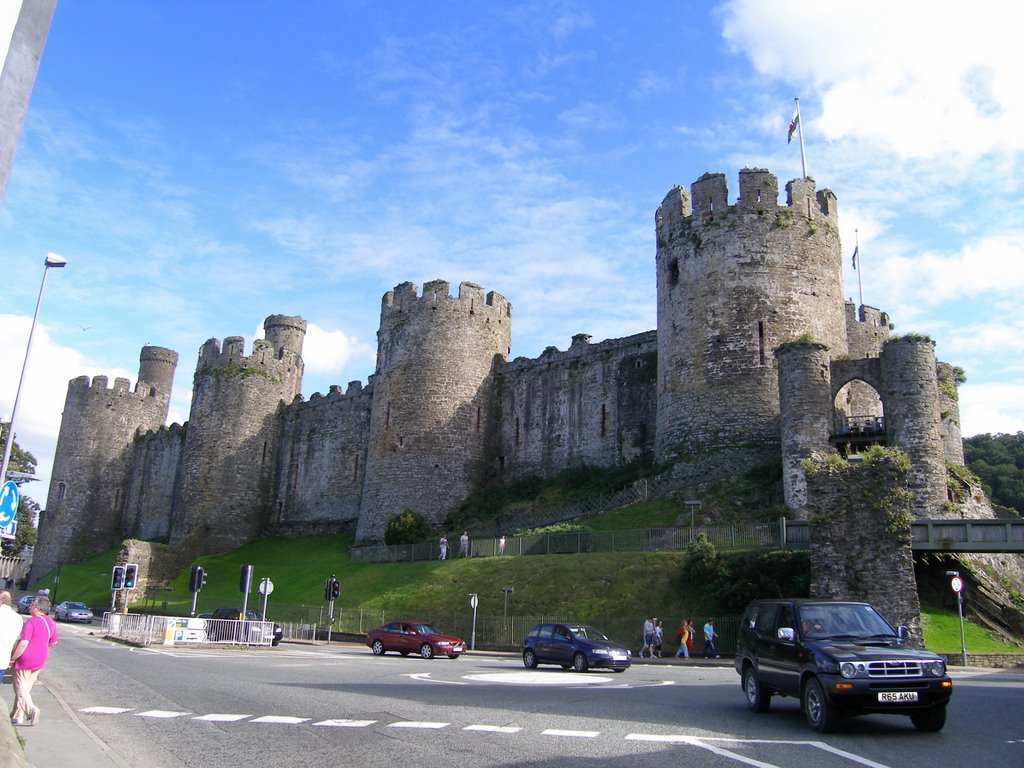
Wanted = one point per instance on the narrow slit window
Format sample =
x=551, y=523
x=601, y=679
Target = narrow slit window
x=673, y=272
x=517, y=432
x=760, y=342
x=62, y=490
x=604, y=419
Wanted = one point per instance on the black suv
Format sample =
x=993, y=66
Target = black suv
x=840, y=658
x=221, y=626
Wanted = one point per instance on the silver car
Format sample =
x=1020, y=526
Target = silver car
x=71, y=611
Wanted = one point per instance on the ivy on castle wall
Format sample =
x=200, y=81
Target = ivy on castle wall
x=239, y=373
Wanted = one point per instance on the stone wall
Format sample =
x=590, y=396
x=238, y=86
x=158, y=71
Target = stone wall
x=593, y=404
x=860, y=535
x=153, y=483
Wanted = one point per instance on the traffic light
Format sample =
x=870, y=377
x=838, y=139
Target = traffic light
x=332, y=588
x=131, y=570
x=117, y=578
x=197, y=579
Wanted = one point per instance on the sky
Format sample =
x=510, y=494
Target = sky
x=204, y=165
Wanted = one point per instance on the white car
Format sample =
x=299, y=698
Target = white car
x=71, y=611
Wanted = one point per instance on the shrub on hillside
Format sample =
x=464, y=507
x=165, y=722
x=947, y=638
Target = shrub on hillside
x=407, y=528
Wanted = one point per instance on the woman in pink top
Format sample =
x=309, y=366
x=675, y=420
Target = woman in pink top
x=28, y=657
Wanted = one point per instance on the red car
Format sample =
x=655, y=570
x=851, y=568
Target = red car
x=414, y=637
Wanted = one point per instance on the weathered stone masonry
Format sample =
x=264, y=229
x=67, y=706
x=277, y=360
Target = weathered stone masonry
x=445, y=410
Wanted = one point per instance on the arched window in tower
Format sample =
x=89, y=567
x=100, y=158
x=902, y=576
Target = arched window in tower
x=62, y=490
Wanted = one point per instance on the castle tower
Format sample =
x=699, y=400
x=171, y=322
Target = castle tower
x=867, y=331
x=734, y=282
x=231, y=437
x=86, y=501
x=949, y=410
x=432, y=417
x=805, y=406
x=912, y=418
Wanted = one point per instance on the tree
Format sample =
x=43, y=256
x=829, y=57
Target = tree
x=28, y=510
x=407, y=528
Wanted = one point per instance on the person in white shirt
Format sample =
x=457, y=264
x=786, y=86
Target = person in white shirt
x=10, y=630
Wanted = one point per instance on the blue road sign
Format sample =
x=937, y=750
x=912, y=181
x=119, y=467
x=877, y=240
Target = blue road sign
x=8, y=502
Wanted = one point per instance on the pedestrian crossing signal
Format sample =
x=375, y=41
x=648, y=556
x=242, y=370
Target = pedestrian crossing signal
x=130, y=572
x=117, y=578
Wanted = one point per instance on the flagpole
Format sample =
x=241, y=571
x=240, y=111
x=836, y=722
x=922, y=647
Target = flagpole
x=800, y=130
x=860, y=283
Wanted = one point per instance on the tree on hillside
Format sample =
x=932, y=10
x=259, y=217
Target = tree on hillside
x=28, y=510
x=998, y=460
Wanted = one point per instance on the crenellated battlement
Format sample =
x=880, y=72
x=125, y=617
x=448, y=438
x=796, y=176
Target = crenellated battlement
x=582, y=347
x=355, y=394
x=708, y=200
x=870, y=316
x=99, y=387
x=283, y=344
x=404, y=298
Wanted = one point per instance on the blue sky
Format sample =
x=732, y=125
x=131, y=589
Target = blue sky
x=202, y=165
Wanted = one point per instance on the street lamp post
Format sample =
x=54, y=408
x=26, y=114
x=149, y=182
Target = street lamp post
x=56, y=262
x=957, y=585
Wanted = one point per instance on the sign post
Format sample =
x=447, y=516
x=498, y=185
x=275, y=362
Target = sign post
x=9, y=498
x=957, y=585
x=474, y=601
x=266, y=587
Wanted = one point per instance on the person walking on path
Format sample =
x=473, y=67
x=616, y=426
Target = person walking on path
x=709, y=640
x=501, y=545
x=464, y=544
x=648, y=637
x=29, y=657
x=443, y=544
x=689, y=640
x=659, y=637
x=682, y=635
x=10, y=630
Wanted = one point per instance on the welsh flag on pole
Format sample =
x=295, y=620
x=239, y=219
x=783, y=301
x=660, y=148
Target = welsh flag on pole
x=793, y=125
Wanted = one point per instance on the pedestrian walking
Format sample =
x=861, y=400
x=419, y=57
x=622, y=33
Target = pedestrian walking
x=648, y=634
x=10, y=630
x=659, y=637
x=29, y=657
x=464, y=544
x=710, y=651
x=443, y=546
x=683, y=635
x=501, y=545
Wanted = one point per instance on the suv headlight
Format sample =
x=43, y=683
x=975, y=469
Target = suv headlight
x=935, y=668
x=852, y=669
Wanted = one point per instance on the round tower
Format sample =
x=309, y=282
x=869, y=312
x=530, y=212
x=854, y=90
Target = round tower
x=735, y=282
x=949, y=379
x=433, y=416
x=912, y=419
x=231, y=437
x=156, y=368
x=805, y=405
x=91, y=465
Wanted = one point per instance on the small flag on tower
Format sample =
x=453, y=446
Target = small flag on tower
x=855, y=252
x=793, y=125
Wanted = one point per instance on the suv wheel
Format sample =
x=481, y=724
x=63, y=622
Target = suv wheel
x=529, y=659
x=758, y=699
x=930, y=720
x=821, y=714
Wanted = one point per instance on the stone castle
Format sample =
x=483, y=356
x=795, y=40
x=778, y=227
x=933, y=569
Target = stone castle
x=756, y=357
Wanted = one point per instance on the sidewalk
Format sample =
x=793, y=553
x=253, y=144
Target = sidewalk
x=60, y=739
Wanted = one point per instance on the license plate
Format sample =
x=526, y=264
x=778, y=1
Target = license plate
x=897, y=696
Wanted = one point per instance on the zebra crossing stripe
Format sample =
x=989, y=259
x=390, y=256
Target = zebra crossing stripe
x=280, y=719
x=418, y=724
x=576, y=734
x=345, y=723
x=162, y=714
x=222, y=718
x=494, y=728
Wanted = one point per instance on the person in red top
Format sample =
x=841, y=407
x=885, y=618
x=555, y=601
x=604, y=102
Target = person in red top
x=29, y=656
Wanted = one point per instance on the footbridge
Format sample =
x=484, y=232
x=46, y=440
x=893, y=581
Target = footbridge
x=941, y=535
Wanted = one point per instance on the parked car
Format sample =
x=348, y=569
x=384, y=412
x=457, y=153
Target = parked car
x=220, y=627
x=25, y=602
x=71, y=611
x=839, y=658
x=574, y=646
x=407, y=637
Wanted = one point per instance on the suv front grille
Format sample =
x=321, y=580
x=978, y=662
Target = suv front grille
x=888, y=669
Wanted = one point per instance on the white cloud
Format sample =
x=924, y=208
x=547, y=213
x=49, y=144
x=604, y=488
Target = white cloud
x=991, y=408
x=330, y=352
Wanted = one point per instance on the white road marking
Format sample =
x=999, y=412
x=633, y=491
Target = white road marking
x=222, y=718
x=424, y=677
x=697, y=742
x=417, y=724
x=161, y=713
x=527, y=677
x=344, y=723
x=571, y=734
x=280, y=719
x=104, y=710
x=494, y=728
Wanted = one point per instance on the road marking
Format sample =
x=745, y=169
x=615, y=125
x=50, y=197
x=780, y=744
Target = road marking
x=548, y=677
x=344, y=723
x=417, y=724
x=424, y=677
x=161, y=713
x=571, y=734
x=104, y=710
x=494, y=728
x=280, y=719
x=222, y=718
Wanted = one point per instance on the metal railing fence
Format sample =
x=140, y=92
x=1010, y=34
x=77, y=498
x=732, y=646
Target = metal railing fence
x=145, y=629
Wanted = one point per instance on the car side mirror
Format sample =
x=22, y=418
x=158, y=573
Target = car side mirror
x=787, y=633
x=902, y=633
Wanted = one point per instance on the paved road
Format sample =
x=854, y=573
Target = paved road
x=339, y=705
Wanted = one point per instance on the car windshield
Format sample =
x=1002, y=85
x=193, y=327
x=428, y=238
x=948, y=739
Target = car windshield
x=78, y=606
x=588, y=633
x=424, y=629
x=843, y=620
